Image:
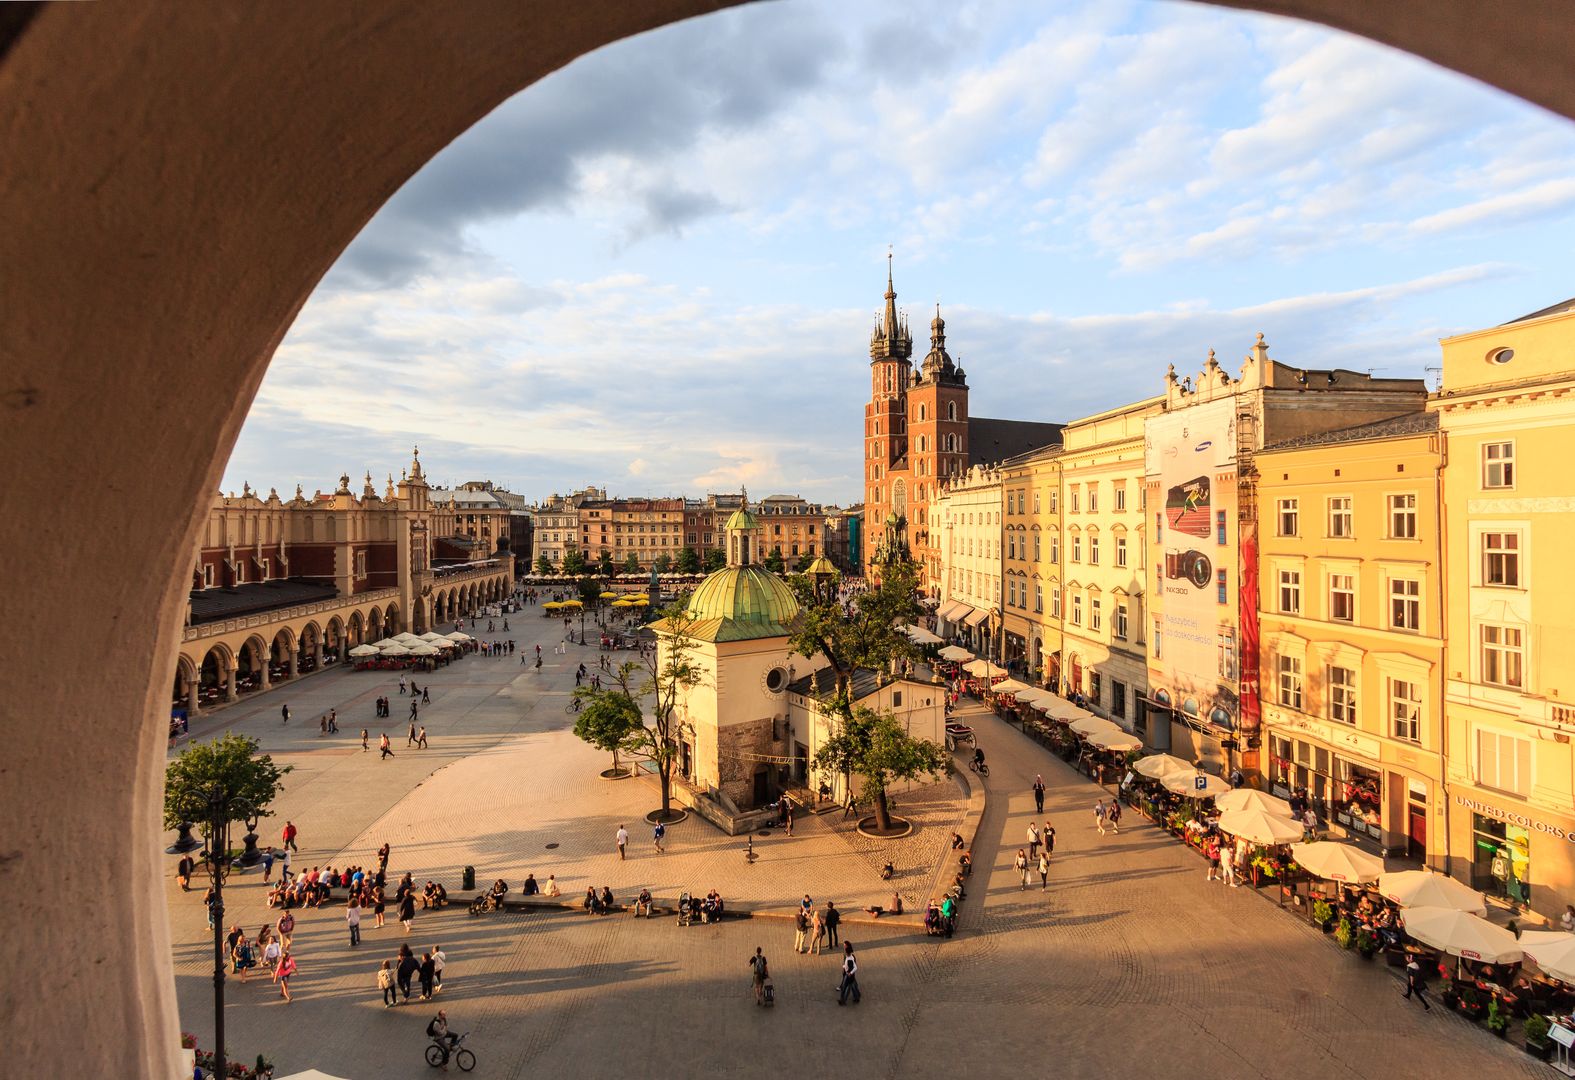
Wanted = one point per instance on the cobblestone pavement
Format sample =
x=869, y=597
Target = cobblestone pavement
x=1131, y=963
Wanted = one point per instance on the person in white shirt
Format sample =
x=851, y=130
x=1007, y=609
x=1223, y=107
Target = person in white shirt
x=439, y=962
x=850, y=976
x=623, y=840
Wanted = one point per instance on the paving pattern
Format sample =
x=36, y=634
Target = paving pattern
x=1131, y=964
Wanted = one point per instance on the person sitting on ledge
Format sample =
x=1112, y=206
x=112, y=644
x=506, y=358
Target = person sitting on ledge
x=439, y=896
x=607, y=900
x=499, y=890
x=932, y=918
x=887, y=872
x=642, y=904
x=429, y=895
x=530, y=888
x=592, y=903
x=896, y=903
x=552, y=886
x=957, y=841
x=965, y=863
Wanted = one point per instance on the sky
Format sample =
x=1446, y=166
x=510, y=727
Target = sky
x=656, y=270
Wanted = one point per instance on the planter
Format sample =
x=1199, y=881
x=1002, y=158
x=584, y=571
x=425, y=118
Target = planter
x=1539, y=1050
x=1367, y=954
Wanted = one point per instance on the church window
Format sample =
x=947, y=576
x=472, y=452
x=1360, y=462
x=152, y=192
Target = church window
x=922, y=411
x=951, y=410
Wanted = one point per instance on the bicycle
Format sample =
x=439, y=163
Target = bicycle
x=439, y=1053
x=979, y=767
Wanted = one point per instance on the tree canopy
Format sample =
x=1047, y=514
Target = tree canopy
x=229, y=768
x=604, y=565
x=714, y=561
x=862, y=633
x=610, y=720
x=688, y=561
x=774, y=561
x=631, y=565
x=876, y=746
x=664, y=563
x=543, y=564
x=574, y=561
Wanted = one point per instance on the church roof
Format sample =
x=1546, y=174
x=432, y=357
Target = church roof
x=991, y=441
x=740, y=603
x=742, y=519
x=211, y=605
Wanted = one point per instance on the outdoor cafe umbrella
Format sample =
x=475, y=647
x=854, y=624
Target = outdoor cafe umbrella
x=1033, y=696
x=1424, y=888
x=457, y=636
x=983, y=668
x=1260, y=827
x=1115, y=739
x=1157, y=766
x=956, y=654
x=364, y=650
x=1552, y=950
x=423, y=650
x=407, y=638
x=1011, y=686
x=1063, y=710
x=1253, y=799
x=433, y=636
x=1337, y=862
x=1187, y=784
x=385, y=643
x=1461, y=933
x=609, y=596
x=395, y=649
x=1090, y=724
x=920, y=636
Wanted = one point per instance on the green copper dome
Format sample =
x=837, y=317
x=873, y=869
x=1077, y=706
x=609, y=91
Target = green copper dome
x=742, y=519
x=742, y=602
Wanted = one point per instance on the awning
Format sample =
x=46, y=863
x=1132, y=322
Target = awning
x=977, y=616
x=954, y=611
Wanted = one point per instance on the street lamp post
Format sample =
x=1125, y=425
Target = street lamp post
x=218, y=869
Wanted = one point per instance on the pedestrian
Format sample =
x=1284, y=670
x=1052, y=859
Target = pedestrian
x=1415, y=983
x=801, y=931
x=622, y=840
x=1044, y=870
x=426, y=698
x=415, y=707
x=1309, y=825
x=1021, y=863
x=410, y=740
x=439, y=962
x=658, y=834
x=817, y=932
x=333, y=721
x=208, y=902
x=1099, y=816
x=383, y=746
x=759, y=971
x=284, y=710
x=850, y=976
x=407, y=907
x=378, y=902
x=404, y=971
x=1033, y=840
x=1039, y=794
x=421, y=738
x=385, y=983
x=322, y=725
x=353, y=920
x=289, y=837
x=787, y=815
x=401, y=685
x=1047, y=837
x=286, y=928
x=832, y=918
x=426, y=972
x=282, y=973
x=183, y=872
x=1113, y=815
x=1213, y=853
x=364, y=736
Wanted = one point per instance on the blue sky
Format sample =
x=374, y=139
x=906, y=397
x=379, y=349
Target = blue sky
x=656, y=269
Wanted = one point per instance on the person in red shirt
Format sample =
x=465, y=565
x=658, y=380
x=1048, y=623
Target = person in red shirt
x=289, y=837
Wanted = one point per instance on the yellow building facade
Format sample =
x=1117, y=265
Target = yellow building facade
x=1351, y=621
x=1507, y=413
x=1031, y=484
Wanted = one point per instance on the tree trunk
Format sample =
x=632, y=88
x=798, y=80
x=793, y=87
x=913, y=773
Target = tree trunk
x=667, y=785
x=616, y=768
x=882, y=811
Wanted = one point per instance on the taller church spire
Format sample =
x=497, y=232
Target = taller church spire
x=891, y=340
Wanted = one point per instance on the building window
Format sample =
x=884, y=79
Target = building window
x=1405, y=604
x=1036, y=547
x=1219, y=527
x=1118, y=698
x=1504, y=762
x=360, y=564
x=1289, y=673
x=951, y=410
x=207, y=576
x=1039, y=597
x=1121, y=497
x=1053, y=500
x=1076, y=500
x=1095, y=621
x=1077, y=609
x=1222, y=594
x=1121, y=621
x=1155, y=638
x=1405, y=710
x=1402, y=517
x=1093, y=498
x=1288, y=517
x=1342, y=695
x=266, y=565
x=1077, y=549
x=1340, y=518
x=1227, y=652
x=1502, y=655
x=1095, y=685
x=1342, y=598
x=1055, y=601
x=1093, y=551
x=1498, y=465
x=1501, y=559
x=1121, y=551
x=1291, y=592
x=1055, y=549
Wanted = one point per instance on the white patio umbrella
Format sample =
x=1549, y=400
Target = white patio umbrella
x=1011, y=686
x=1064, y=710
x=364, y=650
x=1337, y=862
x=956, y=654
x=983, y=669
x=407, y=638
x=1089, y=724
x=433, y=636
x=457, y=636
x=1117, y=740
x=385, y=643
x=424, y=650
x=1260, y=827
x=1156, y=766
x=1034, y=696
x=1186, y=783
x=1424, y=888
x=1253, y=799
x=920, y=636
x=396, y=649
x=310, y=1074
x=1461, y=933
x=1552, y=950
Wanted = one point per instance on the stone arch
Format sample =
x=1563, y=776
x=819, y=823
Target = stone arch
x=374, y=625
x=216, y=675
x=419, y=623
x=184, y=694
x=355, y=630
x=391, y=619
x=251, y=665
x=309, y=647
x=335, y=639
x=282, y=655
x=247, y=168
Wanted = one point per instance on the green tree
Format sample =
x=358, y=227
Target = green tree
x=543, y=564
x=774, y=562
x=688, y=561
x=631, y=565
x=228, y=773
x=714, y=560
x=604, y=565
x=875, y=746
x=610, y=720
x=590, y=592
x=867, y=636
x=664, y=563
x=573, y=562
x=803, y=563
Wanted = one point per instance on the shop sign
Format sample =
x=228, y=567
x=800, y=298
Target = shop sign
x=1335, y=736
x=1522, y=820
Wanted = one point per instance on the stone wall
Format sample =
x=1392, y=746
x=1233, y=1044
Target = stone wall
x=736, y=768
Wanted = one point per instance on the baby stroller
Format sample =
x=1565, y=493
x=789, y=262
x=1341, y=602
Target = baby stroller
x=685, y=913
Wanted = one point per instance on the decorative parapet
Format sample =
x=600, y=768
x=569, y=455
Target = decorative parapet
x=280, y=615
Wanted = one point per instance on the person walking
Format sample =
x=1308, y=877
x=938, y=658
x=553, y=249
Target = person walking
x=286, y=928
x=364, y=736
x=1416, y=983
x=404, y=971
x=421, y=738
x=378, y=903
x=385, y=983
x=410, y=740
x=407, y=907
x=384, y=747
x=1047, y=837
x=1044, y=871
x=353, y=920
x=401, y=686
x=283, y=972
x=759, y=972
x=284, y=710
x=622, y=840
x=267, y=860
x=1309, y=825
x=658, y=834
x=289, y=837
x=831, y=919
x=787, y=815
x=1113, y=815
x=1039, y=794
x=1033, y=840
x=1099, y=816
x=1213, y=853
x=439, y=962
x=817, y=932
x=850, y=976
x=1021, y=863
x=801, y=931
x=333, y=721
x=426, y=698
x=426, y=973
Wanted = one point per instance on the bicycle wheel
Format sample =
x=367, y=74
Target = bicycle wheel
x=435, y=1056
x=466, y=1060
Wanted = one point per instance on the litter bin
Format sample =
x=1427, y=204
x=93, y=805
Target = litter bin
x=468, y=880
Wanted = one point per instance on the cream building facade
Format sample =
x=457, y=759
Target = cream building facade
x=1507, y=414
x=972, y=546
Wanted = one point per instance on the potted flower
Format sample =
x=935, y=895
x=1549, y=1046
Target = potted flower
x=1345, y=933
x=1538, y=1045
x=1366, y=942
x=1497, y=1019
x=1469, y=1003
x=1323, y=914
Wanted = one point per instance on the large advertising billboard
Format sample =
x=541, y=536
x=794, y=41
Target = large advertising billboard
x=1191, y=455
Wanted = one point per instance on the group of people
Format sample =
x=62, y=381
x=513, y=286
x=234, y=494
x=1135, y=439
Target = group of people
x=270, y=950
x=395, y=977
x=815, y=928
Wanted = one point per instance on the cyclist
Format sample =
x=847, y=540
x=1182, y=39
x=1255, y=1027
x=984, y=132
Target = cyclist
x=437, y=1029
x=978, y=758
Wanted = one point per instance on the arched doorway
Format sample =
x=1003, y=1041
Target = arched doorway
x=309, y=650
x=251, y=666
x=356, y=633
x=391, y=621
x=184, y=694
x=281, y=657
x=216, y=678
x=374, y=626
x=334, y=641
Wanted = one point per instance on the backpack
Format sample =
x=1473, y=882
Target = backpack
x=432, y=1028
